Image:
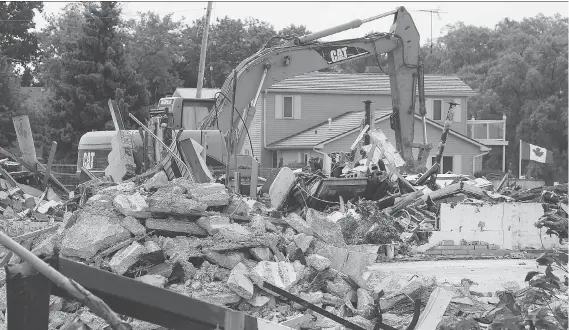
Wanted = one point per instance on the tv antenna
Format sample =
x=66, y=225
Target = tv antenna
x=433, y=11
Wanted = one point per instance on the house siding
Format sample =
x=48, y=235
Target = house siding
x=255, y=132
x=454, y=145
x=291, y=157
x=459, y=126
x=316, y=108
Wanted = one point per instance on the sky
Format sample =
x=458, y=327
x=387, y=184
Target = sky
x=318, y=16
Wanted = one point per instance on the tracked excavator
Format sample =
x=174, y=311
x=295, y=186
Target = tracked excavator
x=227, y=116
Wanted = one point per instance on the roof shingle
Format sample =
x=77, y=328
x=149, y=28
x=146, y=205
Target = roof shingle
x=368, y=83
x=323, y=132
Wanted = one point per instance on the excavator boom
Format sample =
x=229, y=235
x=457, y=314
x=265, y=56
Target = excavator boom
x=272, y=65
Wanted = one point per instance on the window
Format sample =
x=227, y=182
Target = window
x=287, y=107
x=306, y=159
x=446, y=164
x=275, y=159
x=437, y=110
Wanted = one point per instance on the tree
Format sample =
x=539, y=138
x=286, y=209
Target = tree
x=154, y=47
x=10, y=101
x=18, y=46
x=294, y=30
x=230, y=42
x=89, y=67
x=518, y=69
x=17, y=41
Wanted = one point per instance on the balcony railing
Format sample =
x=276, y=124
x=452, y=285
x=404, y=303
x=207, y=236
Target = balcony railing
x=488, y=132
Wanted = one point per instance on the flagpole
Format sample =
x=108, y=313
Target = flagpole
x=520, y=165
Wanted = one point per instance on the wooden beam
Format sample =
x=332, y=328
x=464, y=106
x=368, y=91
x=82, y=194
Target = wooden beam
x=31, y=169
x=8, y=177
x=116, y=114
x=49, y=163
x=193, y=158
x=254, y=177
x=26, y=140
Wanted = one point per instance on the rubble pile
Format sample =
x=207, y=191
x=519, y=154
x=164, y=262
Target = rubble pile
x=200, y=241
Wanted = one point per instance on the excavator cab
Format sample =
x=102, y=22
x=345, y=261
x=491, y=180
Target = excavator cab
x=182, y=113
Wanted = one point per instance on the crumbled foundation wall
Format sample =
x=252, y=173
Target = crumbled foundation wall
x=509, y=225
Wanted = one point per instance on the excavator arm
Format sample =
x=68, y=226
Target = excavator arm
x=272, y=65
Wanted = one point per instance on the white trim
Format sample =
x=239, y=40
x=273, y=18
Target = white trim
x=433, y=109
x=474, y=161
x=418, y=117
x=291, y=106
x=349, y=92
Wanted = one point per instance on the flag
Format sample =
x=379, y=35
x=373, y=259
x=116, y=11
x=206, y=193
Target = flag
x=536, y=153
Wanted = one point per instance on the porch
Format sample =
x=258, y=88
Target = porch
x=489, y=132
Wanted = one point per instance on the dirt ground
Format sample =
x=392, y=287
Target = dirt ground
x=491, y=275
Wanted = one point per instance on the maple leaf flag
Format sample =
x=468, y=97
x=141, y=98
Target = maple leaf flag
x=536, y=153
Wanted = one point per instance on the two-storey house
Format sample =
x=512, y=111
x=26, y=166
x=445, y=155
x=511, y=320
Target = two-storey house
x=318, y=113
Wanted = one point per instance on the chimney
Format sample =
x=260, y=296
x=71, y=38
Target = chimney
x=329, y=123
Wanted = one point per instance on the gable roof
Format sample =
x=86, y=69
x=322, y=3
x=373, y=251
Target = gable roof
x=345, y=124
x=366, y=83
x=323, y=132
x=190, y=93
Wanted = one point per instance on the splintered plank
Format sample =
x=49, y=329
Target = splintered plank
x=192, y=157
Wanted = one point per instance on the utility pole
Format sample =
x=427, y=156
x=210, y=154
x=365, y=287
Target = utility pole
x=201, y=70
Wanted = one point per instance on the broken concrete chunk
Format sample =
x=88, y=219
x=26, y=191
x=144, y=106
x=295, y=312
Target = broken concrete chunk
x=330, y=232
x=366, y=305
x=280, y=274
x=261, y=253
x=159, y=180
x=163, y=269
x=154, y=280
x=212, y=224
x=234, y=232
x=258, y=224
x=338, y=287
x=126, y=257
x=240, y=284
x=188, y=269
x=131, y=205
x=124, y=187
x=168, y=202
x=330, y=299
x=90, y=234
x=218, y=298
x=298, y=224
x=281, y=186
x=238, y=206
x=225, y=260
x=303, y=241
x=175, y=226
x=211, y=194
x=121, y=158
x=182, y=247
x=352, y=263
x=312, y=297
x=319, y=262
x=134, y=226
x=259, y=300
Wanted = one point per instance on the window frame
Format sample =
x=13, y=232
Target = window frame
x=291, y=107
x=442, y=163
x=434, y=109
